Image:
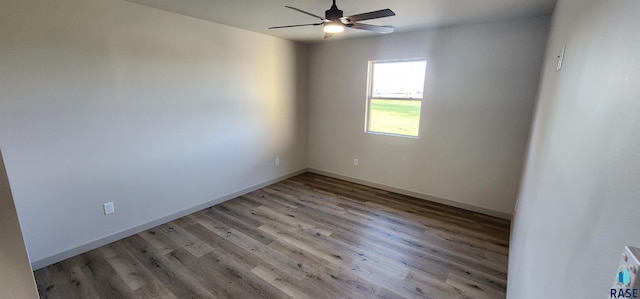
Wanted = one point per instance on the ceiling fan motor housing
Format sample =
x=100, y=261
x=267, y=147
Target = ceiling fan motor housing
x=333, y=14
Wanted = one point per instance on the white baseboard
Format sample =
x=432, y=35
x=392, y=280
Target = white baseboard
x=41, y=263
x=415, y=194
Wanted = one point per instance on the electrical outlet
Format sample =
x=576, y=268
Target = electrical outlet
x=109, y=208
x=356, y=162
x=628, y=271
x=277, y=161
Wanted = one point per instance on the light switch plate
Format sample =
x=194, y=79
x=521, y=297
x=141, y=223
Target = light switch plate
x=560, y=59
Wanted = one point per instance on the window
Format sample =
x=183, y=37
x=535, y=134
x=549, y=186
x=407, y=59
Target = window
x=394, y=97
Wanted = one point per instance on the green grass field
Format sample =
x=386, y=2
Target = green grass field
x=394, y=117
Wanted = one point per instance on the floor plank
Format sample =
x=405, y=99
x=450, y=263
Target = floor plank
x=310, y=236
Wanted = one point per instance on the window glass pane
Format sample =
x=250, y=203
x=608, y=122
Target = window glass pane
x=398, y=79
x=400, y=117
x=390, y=83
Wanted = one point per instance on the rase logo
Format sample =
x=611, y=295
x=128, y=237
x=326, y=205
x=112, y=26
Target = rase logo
x=624, y=278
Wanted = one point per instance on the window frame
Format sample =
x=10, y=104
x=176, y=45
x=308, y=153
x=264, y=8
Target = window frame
x=370, y=97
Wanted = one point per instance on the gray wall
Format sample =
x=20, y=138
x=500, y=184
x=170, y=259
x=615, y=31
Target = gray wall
x=106, y=100
x=480, y=91
x=579, y=206
x=16, y=279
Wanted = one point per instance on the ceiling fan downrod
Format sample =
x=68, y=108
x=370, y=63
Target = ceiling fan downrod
x=334, y=14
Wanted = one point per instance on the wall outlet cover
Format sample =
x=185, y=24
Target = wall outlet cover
x=108, y=208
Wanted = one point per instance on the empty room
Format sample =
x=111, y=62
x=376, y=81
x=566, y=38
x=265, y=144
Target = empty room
x=319, y=149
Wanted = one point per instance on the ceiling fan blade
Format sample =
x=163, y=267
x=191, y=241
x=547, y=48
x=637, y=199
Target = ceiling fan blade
x=369, y=15
x=299, y=25
x=375, y=28
x=304, y=12
x=328, y=35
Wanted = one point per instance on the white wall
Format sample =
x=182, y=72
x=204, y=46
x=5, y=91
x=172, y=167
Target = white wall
x=105, y=100
x=481, y=86
x=16, y=278
x=579, y=203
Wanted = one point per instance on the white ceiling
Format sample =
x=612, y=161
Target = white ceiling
x=258, y=15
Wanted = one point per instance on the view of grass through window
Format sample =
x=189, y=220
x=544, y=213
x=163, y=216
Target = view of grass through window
x=395, y=97
x=395, y=116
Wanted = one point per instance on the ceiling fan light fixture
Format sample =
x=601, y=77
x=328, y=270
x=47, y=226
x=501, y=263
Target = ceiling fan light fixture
x=333, y=27
x=334, y=20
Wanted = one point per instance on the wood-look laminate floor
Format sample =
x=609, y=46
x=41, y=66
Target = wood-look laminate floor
x=310, y=236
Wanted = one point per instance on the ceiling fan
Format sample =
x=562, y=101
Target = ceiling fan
x=335, y=22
